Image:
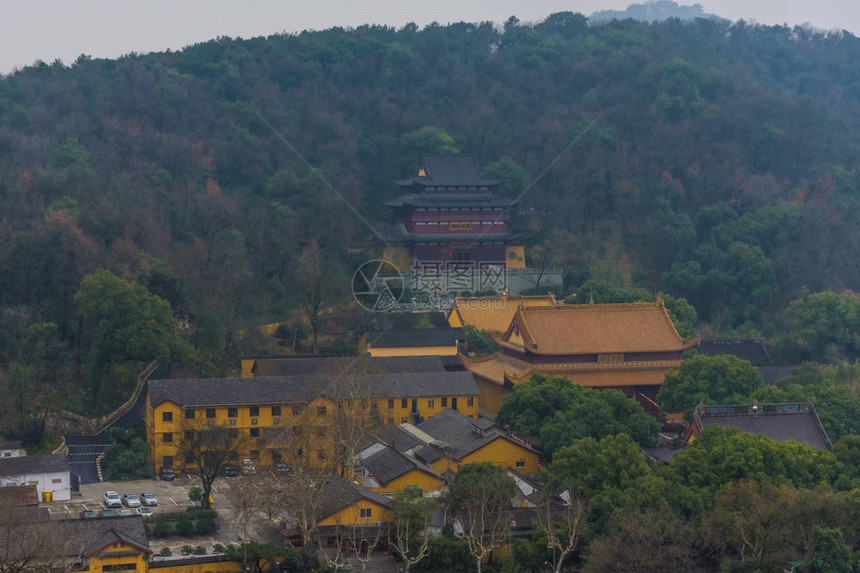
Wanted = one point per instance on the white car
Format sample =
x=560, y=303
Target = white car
x=144, y=512
x=148, y=499
x=131, y=500
x=111, y=499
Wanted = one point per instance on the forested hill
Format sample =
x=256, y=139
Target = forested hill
x=712, y=161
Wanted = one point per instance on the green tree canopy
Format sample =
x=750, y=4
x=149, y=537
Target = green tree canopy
x=559, y=411
x=722, y=379
x=828, y=325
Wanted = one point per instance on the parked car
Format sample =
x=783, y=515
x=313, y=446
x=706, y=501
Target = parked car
x=124, y=511
x=144, y=512
x=108, y=513
x=248, y=467
x=131, y=500
x=111, y=499
x=230, y=471
x=167, y=474
x=148, y=499
x=282, y=468
x=89, y=514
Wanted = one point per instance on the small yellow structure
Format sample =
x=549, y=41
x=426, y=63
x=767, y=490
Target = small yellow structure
x=426, y=342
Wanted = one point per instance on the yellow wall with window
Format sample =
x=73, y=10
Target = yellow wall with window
x=117, y=554
x=353, y=515
x=210, y=567
x=500, y=452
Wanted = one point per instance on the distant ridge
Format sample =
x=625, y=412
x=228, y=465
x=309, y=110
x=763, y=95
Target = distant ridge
x=656, y=10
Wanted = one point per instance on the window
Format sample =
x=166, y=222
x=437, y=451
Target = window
x=189, y=457
x=167, y=461
x=431, y=402
x=232, y=412
x=189, y=413
x=255, y=455
x=322, y=430
x=167, y=416
x=404, y=403
x=188, y=435
x=470, y=401
x=391, y=421
x=233, y=455
x=167, y=437
x=321, y=454
x=445, y=402
x=255, y=432
x=254, y=411
x=297, y=409
x=57, y=480
x=374, y=405
x=276, y=455
x=521, y=463
x=276, y=421
x=232, y=433
x=254, y=421
x=366, y=512
x=297, y=430
x=390, y=403
x=321, y=410
x=210, y=412
x=404, y=420
x=276, y=411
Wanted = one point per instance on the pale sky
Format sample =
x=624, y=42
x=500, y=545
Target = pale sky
x=45, y=30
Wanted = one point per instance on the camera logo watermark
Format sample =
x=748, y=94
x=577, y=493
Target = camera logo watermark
x=377, y=286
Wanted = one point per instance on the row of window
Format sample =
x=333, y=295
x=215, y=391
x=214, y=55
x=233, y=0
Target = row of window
x=253, y=455
x=297, y=409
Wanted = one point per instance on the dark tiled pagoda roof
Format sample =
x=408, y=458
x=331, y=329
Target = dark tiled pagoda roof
x=752, y=351
x=388, y=464
x=412, y=338
x=33, y=465
x=339, y=494
x=202, y=392
x=780, y=422
x=458, y=435
x=340, y=364
x=450, y=171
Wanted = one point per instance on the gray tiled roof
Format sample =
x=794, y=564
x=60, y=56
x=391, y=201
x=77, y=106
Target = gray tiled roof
x=410, y=338
x=451, y=170
x=396, y=437
x=339, y=494
x=339, y=364
x=457, y=435
x=388, y=464
x=90, y=535
x=201, y=392
x=780, y=422
x=33, y=464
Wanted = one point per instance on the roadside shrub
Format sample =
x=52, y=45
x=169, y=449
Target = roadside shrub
x=198, y=512
x=218, y=548
x=199, y=550
x=163, y=529
x=206, y=525
x=187, y=550
x=185, y=527
x=166, y=552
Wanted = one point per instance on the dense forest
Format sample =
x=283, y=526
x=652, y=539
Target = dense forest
x=240, y=181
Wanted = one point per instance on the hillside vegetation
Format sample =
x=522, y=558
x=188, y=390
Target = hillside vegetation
x=709, y=161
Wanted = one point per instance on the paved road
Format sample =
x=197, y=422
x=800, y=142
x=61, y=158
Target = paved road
x=83, y=449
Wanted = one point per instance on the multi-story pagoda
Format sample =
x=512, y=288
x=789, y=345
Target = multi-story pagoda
x=450, y=214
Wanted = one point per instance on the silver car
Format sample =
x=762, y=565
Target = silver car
x=131, y=500
x=148, y=499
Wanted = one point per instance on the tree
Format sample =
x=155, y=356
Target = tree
x=479, y=498
x=563, y=520
x=828, y=325
x=123, y=321
x=590, y=466
x=428, y=140
x=205, y=450
x=722, y=379
x=831, y=550
x=411, y=525
x=314, y=277
x=558, y=412
x=258, y=553
x=29, y=542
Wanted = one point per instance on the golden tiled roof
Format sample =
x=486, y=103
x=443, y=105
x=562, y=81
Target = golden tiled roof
x=595, y=329
x=494, y=313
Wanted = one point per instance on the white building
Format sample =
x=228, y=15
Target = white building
x=11, y=450
x=48, y=473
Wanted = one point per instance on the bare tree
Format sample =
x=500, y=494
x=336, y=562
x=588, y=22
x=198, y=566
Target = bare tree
x=480, y=500
x=357, y=393
x=30, y=541
x=411, y=525
x=563, y=520
x=205, y=450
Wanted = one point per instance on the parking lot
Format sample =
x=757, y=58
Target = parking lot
x=172, y=496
